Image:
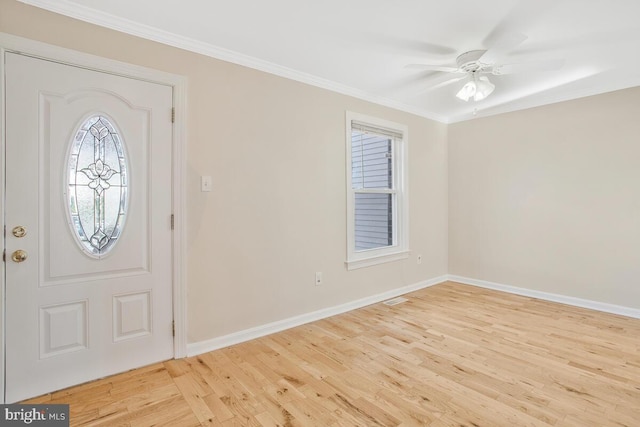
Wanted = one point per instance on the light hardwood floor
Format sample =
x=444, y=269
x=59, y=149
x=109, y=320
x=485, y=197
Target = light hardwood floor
x=453, y=355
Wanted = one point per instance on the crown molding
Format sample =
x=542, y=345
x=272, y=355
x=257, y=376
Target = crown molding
x=103, y=19
x=547, y=98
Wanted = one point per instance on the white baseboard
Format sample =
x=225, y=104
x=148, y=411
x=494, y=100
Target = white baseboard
x=280, y=325
x=578, y=302
x=200, y=347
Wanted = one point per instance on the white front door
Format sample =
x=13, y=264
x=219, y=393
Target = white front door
x=88, y=225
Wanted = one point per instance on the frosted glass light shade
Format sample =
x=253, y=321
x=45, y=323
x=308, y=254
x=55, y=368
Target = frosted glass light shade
x=483, y=88
x=467, y=91
x=478, y=88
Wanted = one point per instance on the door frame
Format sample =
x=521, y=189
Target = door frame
x=11, y=43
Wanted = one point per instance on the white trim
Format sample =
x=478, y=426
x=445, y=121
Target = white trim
x=36, y=49
x=196, y=348
x=400, y=248
x=2, y=215
x=200, y=347
x=368, y=262
x=542, y=99
x=86, y=60
x=547, y=296
x=106, y=20
x=180, y=218
x=103, y=19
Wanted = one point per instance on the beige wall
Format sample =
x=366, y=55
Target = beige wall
x=276, y=151
x=549, y=198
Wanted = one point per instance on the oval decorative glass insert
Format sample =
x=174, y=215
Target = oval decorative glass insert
x=97, y=186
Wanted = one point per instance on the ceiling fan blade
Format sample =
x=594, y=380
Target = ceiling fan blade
x=501, y=45
x=433, y=83
x=510, y=31
x=529, y=67
x=590, y=42
x=432, y=67
x=395, y=43
x=446, y=83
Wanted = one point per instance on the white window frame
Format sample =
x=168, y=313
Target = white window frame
x=400, y=247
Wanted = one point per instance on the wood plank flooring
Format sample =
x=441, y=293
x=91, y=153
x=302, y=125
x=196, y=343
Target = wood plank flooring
x=453, y=355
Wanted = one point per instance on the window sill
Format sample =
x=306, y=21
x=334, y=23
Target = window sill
x=375, y=260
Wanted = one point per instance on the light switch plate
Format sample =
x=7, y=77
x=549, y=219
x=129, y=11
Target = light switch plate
x=205, y=183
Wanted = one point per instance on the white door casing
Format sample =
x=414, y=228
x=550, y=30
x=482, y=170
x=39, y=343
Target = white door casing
x=71, y=317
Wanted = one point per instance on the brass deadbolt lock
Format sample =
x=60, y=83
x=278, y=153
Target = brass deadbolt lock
x=19, y=231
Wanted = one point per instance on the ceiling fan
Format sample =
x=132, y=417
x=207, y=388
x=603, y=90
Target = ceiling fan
x=477, y=65
x=472, y=67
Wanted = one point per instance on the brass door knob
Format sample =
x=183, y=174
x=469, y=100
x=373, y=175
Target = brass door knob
x=19, y=256
x=19, y=231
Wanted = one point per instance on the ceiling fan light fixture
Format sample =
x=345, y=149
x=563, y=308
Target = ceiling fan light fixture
x=467, y=91
x=484, y=88
x=478, y=88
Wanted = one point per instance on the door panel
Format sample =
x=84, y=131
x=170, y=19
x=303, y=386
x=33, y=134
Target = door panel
x=61, y=259
x=63, y=328
x=72, y=315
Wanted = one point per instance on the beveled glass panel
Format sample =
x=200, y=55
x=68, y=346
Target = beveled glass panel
x=97, y=186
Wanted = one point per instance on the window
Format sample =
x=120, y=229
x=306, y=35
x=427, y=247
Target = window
x=377, y=224
x=97, y=185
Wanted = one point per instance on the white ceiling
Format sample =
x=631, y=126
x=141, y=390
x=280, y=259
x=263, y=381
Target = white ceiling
x=361, y=47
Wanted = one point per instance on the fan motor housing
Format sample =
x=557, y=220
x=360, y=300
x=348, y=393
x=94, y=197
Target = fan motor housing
x=469, y=61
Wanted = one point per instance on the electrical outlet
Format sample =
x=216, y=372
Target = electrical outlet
x=419, y=259
x=318, y=278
